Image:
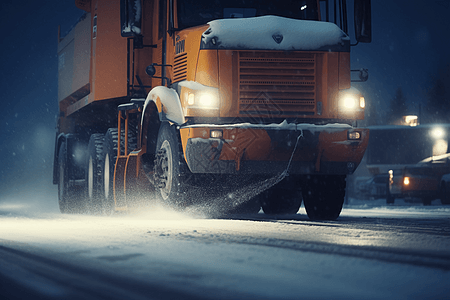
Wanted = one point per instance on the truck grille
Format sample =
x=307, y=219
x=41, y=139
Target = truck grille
x=180, y=68
x=277, y=83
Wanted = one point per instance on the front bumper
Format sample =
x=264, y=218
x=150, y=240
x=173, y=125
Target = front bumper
x=269, y=149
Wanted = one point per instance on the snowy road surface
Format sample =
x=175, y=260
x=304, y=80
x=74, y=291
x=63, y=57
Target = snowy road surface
x=370, y=252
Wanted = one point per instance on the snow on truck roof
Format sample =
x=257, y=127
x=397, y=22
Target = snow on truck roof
x=259, y=32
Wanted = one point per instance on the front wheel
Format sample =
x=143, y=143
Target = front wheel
x=323, y=196
x=167, y=167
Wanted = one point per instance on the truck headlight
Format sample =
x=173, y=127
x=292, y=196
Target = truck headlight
x=204, y=99
x=208, y=100
x=351, y=100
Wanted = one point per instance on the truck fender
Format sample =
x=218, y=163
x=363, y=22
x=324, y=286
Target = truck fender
x=150, y=123
x=168, y=104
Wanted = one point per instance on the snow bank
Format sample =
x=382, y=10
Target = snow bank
x=400, y=209
x=262, y=33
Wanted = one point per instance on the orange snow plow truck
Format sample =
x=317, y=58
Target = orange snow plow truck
x=227, y=105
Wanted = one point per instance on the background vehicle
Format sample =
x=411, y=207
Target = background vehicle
x=444, y=188
x=212, y=98
x=414, y=157
x=424, y=180
x=375, y=187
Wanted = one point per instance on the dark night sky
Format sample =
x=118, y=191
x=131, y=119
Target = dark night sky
x=410, y=43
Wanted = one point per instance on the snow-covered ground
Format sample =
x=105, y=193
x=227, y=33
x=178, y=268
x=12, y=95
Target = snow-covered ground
x=400, y=208
x=287, y=258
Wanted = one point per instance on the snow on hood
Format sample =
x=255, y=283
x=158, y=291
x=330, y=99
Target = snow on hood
x=265, y=33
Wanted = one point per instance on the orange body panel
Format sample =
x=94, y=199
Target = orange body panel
x=228, y=90
x=334, y=146
x=344, y=70
x=109, y=52
x=240, y=144
x=97, y=57
x=330, y=85
x=207, y=67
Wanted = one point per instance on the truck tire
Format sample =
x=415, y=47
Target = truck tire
x=93, y=173
x=108, y=159
x=280, y=201
x=323, y=196
x=70, y=197
x=63, y=180
x=167, y=167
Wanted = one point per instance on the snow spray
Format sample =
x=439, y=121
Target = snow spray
x=228, y=202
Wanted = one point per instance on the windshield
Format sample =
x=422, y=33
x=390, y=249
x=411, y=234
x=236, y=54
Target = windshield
x=199, y=12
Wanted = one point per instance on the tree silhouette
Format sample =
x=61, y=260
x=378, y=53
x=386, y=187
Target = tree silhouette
x=397, y=108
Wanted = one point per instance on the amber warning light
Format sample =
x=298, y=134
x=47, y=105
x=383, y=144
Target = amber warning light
x=354, y=135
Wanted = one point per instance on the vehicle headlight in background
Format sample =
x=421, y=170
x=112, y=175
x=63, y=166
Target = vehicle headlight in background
x=437, y=133
x=440, y=146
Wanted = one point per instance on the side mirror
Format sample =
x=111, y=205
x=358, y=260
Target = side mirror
x=130, y=17
x=150, y=70
x=363, y=21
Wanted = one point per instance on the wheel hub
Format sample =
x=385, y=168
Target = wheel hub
x=163, y=169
